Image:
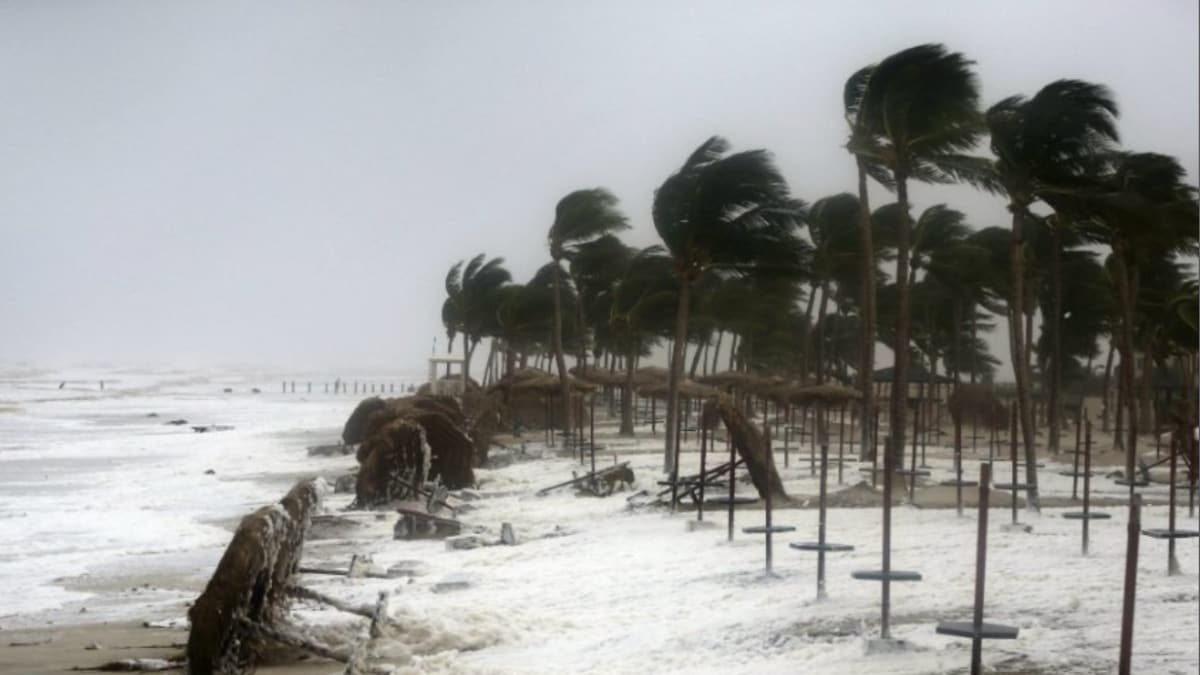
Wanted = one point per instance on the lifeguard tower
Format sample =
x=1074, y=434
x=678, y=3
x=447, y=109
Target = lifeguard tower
x=451, y=383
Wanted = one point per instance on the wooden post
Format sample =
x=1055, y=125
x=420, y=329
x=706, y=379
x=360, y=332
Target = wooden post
x=1133, y=535
x=1087, y=484
x=771, y=460
x=886, y=597
x=732, y=476
x=821, y=512
x=1012, y=447
x=703, y=454
x=985, y=479
x=841, y=440
x=1172, y=563
x=1075, y=471
x=592, y=431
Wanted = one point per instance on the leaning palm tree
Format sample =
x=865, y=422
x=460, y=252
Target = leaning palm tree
x=1147, y=215
x=721, y=210
x=837, y=256
x=471, y=301
x=580, y=217
x=916, y=112
x=1045, y=145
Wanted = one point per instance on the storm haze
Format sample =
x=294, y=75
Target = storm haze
x=288, y=183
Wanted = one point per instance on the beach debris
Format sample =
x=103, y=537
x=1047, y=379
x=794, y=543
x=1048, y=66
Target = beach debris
x=404, y=443
x=594, y=480
x=408, y=568
x=507, y=537
x=345, y=483
x=453, y=582
x=749, y=443
x=137, y=666
x=92, y=646
x=201, y=429
x=32, y=643
x=178, y=622
x=329, y=450
x=414, y=524
x=176, y=423
x=210, y=472
x=464, y=542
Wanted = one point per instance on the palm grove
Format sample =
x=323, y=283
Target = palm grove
x=1099, y=245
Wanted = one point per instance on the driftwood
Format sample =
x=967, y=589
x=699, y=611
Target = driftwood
x=749, y=444
x=620, y=471
x=249, y=585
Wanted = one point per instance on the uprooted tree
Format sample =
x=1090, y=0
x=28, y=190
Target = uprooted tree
x=749, y=443
x=249, y=586
x=405, y=442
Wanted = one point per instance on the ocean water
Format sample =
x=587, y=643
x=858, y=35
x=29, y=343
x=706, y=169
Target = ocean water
x=94, y=482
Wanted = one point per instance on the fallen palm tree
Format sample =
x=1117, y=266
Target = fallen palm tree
x=406, y=442
x=749, y=443
x=244, y=608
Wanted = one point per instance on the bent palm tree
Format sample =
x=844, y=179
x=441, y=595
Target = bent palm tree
x=1048, y=143
x=580, y=217
x=471, y=301
x=916, y=113
x=721, y=210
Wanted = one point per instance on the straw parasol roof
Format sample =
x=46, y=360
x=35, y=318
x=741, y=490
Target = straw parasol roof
x=600, y=376
x=825, y=395
x=538, y=382
x=687, y=389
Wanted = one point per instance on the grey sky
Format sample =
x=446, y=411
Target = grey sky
x=287, y=183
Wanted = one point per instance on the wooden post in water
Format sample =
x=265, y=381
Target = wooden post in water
x=1133, y=535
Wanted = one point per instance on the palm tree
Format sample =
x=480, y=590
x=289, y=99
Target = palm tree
x=639, y=305
x=721, y=210
x=916, y=112
x=471, y=301
x=1147, y=215
x=837, y=256
x=581, y=216
x=1044, y=145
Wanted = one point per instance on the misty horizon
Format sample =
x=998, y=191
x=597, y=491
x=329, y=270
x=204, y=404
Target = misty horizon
x=287, y=185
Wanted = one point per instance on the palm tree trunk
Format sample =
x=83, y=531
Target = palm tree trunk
x=808, y=329
x=1020, y=362
x=899, y=399
x=1056, y=336
x=733, y=344
x=866, y=363
x=469, y=346
x=627, y=389
x=696, y=358
x=1107, y=387
x=581, y=330
x=974, y=339
x=681, y=322
x=1125, y=299
x=820, y=330
x=717, y=350
x=564, y=388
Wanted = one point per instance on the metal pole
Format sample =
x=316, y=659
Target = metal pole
x=703, y=455
x=1172, y=563
x=958, y=481
x=592, y=431
x=841, y=440
x=985, y=477
x=1075, y=471
x=771, y=458
x=1127, y=608
x=821, y=517
x=1012, y=447
x=1087, y=484
x=886, y=600
x=875, y=451
x=812, y=445
x=732, y=475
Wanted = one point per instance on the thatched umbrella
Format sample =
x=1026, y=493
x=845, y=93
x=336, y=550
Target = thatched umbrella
x=599, y=376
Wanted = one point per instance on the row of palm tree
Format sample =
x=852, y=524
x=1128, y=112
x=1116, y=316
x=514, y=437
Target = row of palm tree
x=744, y=259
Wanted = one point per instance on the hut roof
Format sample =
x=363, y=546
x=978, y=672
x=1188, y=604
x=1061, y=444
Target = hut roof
x=600, y=376
x=916, y=375
x=687, y=389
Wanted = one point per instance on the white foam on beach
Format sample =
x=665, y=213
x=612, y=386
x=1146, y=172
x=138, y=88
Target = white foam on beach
x=90, y=484
x=592, y=586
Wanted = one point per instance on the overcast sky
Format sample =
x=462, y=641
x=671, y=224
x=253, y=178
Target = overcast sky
x=287, y=183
